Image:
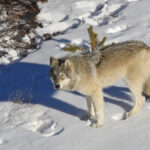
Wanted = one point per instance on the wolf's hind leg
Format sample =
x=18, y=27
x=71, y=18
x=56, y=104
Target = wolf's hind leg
x=147, y=89
x=136, y=88
x=90, y=107
x=98, y=107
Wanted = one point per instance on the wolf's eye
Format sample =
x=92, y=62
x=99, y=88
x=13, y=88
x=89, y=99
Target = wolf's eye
x=62, y=76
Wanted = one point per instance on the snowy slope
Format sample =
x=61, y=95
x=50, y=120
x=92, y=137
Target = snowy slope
x=52, y=121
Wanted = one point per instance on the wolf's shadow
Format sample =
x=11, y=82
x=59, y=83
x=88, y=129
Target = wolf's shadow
x=34, y=79
x=120, y=93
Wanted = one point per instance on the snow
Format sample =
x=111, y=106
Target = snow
x=117, y=29
x=50, y=119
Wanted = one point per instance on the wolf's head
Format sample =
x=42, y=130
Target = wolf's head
x=61, y=73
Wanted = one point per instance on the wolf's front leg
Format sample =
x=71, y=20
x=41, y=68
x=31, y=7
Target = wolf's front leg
x=98, y=107
x=90, y=107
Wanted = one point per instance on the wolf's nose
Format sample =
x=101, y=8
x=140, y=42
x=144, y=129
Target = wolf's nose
x=57, y=86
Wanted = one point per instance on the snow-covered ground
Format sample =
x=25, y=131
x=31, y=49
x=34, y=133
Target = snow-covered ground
x=51, y=121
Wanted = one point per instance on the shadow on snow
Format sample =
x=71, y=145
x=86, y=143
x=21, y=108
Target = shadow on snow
x=34, y=78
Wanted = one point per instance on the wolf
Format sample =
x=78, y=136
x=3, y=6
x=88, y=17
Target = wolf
x=89, y=72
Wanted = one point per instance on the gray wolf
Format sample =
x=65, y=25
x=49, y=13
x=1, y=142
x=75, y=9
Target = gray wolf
x=89, y=72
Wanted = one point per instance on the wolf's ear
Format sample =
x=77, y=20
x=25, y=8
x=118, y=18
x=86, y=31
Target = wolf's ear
x=68, y=64
x=53, y=61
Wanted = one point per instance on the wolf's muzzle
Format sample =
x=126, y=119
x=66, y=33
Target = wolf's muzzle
x=57, y=86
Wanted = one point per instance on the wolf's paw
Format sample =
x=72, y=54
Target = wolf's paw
x=97, y=124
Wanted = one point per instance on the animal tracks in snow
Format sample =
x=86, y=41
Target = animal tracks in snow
x=45, y=128
x=117, y=29
x=35, y=118
x=78, y=12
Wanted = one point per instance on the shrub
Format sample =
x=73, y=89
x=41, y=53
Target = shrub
x=94, y=42
x=21, y=97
